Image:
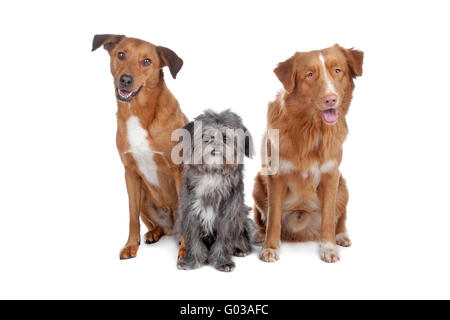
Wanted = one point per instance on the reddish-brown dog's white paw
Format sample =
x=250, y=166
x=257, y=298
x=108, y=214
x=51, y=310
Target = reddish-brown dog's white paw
x=328, y=252
x=269, y=255
x=343, y=240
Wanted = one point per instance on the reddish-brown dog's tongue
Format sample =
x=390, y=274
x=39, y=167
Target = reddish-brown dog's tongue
x=330, y=115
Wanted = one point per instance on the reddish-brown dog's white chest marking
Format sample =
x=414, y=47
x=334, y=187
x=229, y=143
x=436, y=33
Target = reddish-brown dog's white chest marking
x=140, y=149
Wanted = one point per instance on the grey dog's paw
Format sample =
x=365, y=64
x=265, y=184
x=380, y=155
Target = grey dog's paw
x=226, y=267
x=240, y=253
x=187, y=265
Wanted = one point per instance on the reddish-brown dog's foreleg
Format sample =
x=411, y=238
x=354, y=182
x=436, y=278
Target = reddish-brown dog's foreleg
x=276, y=195
x=329, y=185
x=342, y=237
x=133, y=182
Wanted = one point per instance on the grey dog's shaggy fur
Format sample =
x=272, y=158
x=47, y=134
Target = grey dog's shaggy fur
x=214, y=219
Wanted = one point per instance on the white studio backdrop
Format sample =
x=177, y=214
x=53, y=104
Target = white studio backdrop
x=64, y=208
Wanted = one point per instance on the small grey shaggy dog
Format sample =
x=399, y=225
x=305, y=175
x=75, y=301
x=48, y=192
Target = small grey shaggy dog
x=214, y=219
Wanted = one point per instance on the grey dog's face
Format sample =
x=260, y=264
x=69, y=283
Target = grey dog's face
x=219, y=146
x=219, y=139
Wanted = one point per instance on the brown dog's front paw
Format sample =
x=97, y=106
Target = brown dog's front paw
x=128, y=252
x=154, y=235
x=328, y=252
x=343, y=240
x=269, y=255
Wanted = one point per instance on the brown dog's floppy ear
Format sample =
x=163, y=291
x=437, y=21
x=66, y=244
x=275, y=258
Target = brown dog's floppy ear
x=170, y=59
x=355, y=61
x=286, y=74
x=107, y=40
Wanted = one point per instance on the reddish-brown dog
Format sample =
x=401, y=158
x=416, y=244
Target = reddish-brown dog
x=147, y=115
x=307, y=198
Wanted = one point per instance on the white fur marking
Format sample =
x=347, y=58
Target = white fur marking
x=141, y=151
x=281, y=97
x=328, y=166
x=269, y=255
x=343, y=239
x=328, y=252
x=207, y=215
x=208, y=183
x=317, y=171
x=341, y=236
x=327, y=246
x=314, y=204
x=330, y=87
x=286, y=166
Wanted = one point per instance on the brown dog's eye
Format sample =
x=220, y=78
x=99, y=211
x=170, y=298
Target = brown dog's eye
x=309, y=75
x=338, y=70
x=146, y=62
x=121, y=56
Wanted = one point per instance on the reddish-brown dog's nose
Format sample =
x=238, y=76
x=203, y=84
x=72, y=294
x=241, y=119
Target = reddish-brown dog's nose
x=329, y=100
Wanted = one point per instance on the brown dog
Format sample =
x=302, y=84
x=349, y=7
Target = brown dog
x=147, y=115
x=307, y=198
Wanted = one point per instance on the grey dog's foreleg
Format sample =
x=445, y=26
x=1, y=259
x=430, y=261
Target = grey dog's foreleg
x=243, y=243
x=196, y=250
x=221, y=252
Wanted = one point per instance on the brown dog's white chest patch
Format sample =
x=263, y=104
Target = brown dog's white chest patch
x=140, y=149
x=316, y=171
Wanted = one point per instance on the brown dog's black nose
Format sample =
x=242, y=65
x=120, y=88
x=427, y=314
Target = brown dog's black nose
x=126, y=80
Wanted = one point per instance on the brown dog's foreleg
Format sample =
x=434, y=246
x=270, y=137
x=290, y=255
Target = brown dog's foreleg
x=342, y=237
x=155, y=232
x=330, y=184
x=276, y=195
x=133, y=182
x=178, y=177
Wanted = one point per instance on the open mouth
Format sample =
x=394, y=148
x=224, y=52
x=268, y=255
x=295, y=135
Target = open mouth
x=216, y=153
x=330, y=116
x=125, y=95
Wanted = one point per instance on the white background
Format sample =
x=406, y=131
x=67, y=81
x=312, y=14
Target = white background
x=63, y=205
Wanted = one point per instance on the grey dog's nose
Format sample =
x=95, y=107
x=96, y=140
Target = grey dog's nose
x=126, y=80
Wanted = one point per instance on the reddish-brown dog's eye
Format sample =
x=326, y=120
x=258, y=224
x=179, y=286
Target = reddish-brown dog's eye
x=146, y=62
x=121, y=56
x=338, y=70
x=309, y=76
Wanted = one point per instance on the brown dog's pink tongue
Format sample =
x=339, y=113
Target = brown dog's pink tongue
x=330, y=115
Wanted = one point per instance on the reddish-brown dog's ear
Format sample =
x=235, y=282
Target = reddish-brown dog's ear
x=286, y=74
x=170, y=59
x=355, y=61
x=107, y=40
